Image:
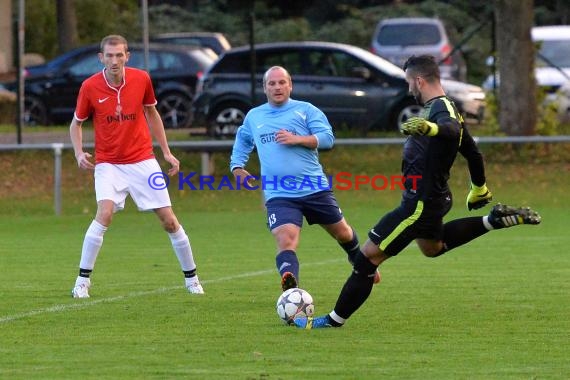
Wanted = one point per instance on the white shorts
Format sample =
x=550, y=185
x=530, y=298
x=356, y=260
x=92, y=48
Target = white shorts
x=116, y=181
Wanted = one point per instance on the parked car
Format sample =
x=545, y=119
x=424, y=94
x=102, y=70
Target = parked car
x=552, y=64
x=552, y=61
x=396, y=39
x=352, y=86
x=51, y=89
x=215, y=41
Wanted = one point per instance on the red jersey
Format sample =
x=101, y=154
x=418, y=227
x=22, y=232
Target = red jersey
x=122, y=135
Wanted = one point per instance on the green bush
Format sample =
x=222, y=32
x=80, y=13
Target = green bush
x=547, y=121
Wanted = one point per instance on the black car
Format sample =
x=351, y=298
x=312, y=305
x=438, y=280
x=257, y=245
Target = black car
x=352, y=86
x=51, y=89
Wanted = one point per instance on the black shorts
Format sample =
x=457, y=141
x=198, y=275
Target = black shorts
x=413, y=219
x=318, y=208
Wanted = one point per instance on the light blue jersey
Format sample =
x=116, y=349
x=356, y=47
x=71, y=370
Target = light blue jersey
x=286, y=170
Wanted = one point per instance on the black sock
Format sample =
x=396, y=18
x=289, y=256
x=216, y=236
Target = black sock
x=351, y=247
x=461, y=231
x=357, y=287
x=85, y=272
x=189, y=273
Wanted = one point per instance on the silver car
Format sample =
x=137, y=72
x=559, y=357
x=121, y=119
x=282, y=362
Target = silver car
x=396, y=39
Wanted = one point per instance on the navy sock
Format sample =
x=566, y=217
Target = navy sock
x=357, y=287
x=351, y=247
x=287, y=261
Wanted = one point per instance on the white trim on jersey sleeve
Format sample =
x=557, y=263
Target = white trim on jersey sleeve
x=78, y=119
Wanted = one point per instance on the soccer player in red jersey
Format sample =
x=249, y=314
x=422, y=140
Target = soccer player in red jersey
x=121, y=102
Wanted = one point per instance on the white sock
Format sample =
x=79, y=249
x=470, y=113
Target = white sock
x=335, y=317
x=181, y=245
x=92, y=244
x=486, y=223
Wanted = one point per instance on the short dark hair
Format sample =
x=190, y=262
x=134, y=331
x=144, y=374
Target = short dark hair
x=424, y=66
x=114, y=39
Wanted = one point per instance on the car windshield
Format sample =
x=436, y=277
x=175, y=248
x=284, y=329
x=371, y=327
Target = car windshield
x=408, y=34
x=380, y=63
x=554, y=52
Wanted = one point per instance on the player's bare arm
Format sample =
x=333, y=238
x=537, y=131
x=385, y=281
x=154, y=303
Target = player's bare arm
x=76, y=135
x=157, y=130
x=243, y=176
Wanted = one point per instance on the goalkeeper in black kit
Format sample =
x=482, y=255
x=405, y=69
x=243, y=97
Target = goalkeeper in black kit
x=429, y=152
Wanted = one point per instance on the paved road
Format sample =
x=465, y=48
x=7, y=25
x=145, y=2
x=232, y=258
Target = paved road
x=39, y=137
x=34, y=135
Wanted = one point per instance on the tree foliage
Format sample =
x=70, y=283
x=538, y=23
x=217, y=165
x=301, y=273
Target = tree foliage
x=41, y=27
x=95, y=19
x=348, y=21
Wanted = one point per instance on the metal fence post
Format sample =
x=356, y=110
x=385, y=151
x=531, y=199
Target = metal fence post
x=207, y=163
x=57, y=148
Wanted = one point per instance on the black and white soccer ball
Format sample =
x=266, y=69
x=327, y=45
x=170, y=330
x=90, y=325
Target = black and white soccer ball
x=294, y=302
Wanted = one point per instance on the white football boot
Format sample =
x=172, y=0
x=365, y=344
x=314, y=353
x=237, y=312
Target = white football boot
x=193, y=285
x=81, y=288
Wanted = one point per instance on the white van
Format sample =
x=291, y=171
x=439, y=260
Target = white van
x=552, y=64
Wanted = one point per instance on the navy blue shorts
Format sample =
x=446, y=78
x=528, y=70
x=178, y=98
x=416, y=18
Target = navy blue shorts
x=413, y=219
x=318, y=208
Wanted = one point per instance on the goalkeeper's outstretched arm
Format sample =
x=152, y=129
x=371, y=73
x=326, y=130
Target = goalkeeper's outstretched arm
x=479, y=195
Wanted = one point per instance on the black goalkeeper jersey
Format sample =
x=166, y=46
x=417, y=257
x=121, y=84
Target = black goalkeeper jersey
x=432, y=157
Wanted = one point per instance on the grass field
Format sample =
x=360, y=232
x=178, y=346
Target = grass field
x=497, y=308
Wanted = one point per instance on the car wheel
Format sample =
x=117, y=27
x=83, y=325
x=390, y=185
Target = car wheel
x=226, y=119
x=175, y=109
x=406, y=111
x=35, y=111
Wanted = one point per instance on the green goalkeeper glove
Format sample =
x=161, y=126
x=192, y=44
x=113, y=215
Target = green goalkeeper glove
x=478, y=197
x=417, y=126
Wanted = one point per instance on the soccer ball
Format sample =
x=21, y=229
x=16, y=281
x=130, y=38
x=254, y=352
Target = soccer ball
x=294, y=302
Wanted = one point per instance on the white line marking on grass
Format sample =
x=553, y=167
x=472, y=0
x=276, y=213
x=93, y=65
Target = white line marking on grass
x=88, y=303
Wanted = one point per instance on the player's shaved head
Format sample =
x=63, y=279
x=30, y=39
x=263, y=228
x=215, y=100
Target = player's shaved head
x=273, y=68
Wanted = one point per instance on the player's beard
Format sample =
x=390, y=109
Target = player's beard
x=419, y=99
x=418, y=96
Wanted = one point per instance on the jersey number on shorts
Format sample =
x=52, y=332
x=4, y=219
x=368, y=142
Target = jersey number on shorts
x=271, y=220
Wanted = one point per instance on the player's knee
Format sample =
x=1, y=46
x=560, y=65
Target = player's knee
x=104, y=217
x=170, y=225
x=286, y=238
x=430, y=248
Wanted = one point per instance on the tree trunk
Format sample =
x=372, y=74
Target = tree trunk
x=517, y=87
x=67, y=36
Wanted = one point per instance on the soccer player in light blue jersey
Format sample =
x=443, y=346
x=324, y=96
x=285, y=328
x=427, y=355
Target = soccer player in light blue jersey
x=287, y=134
